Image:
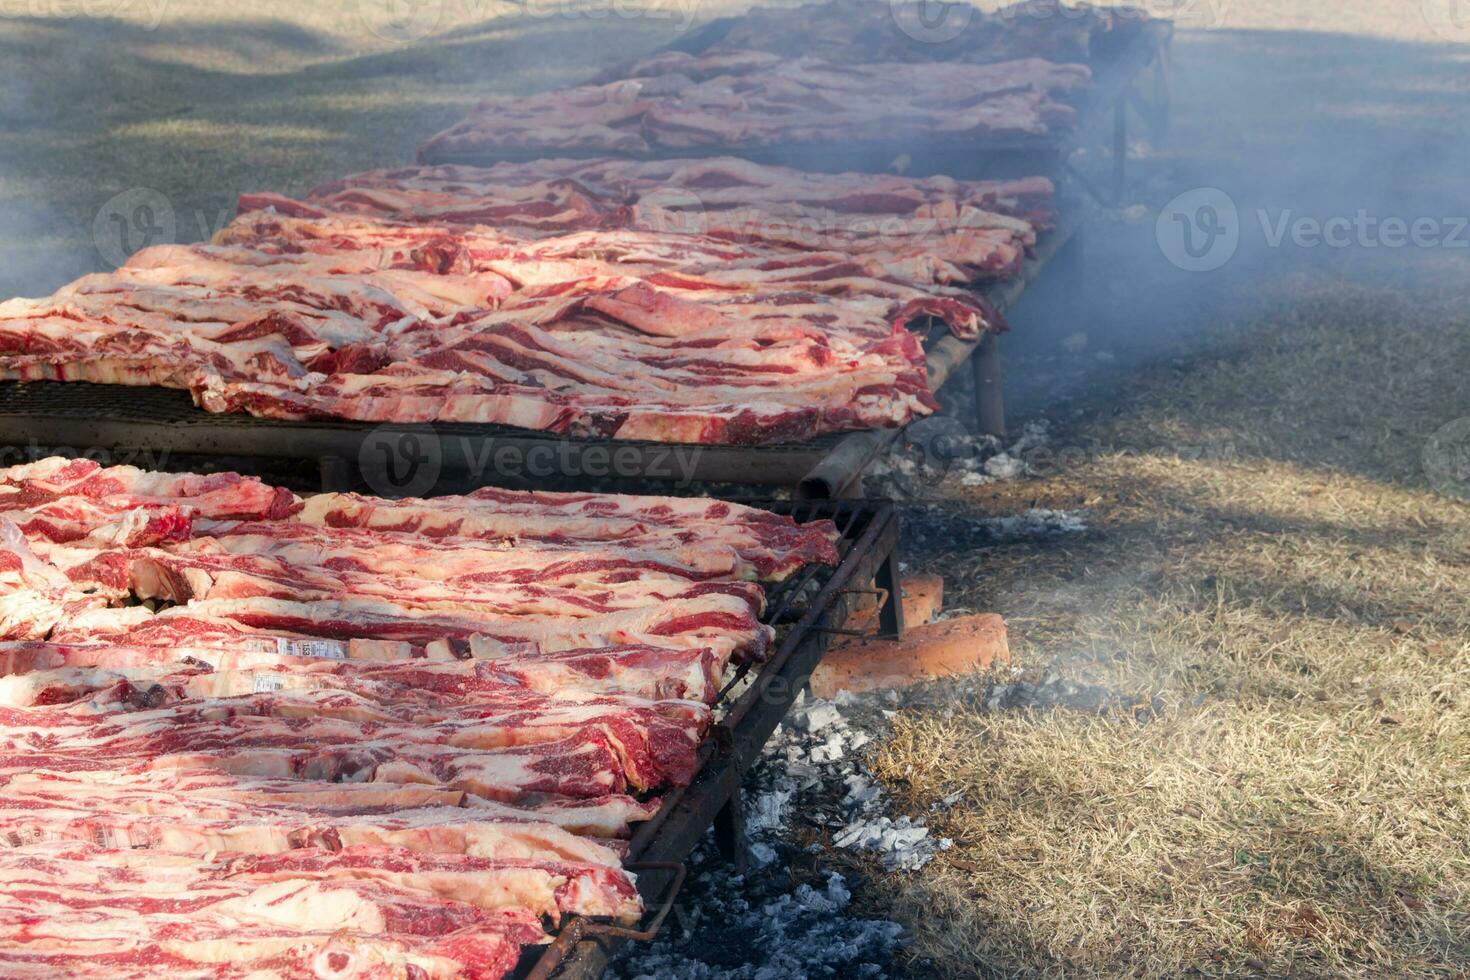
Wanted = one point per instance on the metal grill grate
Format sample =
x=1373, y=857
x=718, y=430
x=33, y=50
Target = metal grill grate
x=806, y=610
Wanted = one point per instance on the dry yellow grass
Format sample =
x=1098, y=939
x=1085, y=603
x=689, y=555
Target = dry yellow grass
x=1280, y=785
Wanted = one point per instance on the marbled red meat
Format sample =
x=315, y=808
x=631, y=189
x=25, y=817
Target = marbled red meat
x=243, y=735
x=676, y=103
x=921, y=230
x=579, y=347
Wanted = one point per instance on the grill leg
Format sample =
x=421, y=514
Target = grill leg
x=1120, y=151
x=337, y=474
x=1159, y=125
x=890, y=617
x=730, y=832
x=853, y=491
x=990, y=407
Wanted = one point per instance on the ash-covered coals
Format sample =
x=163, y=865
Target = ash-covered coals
x=787, y=919
x=757, y=927
x=1037, y=522
x=933, y=530
x=813, y=772
x=938, y=455
x=904, y=844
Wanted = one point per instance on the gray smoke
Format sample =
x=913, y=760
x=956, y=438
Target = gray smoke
x=1292, y=153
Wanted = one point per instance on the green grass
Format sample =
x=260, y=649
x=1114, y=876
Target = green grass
x=213, y=102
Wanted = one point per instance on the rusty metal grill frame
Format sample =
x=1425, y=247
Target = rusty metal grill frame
x=807, y=611
x=128, y=421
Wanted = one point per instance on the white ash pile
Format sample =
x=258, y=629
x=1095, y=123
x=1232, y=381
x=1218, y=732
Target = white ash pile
x=1037, y=522
x=937, y=449
x=814, y=758
x=768, y=925
x=757, y=927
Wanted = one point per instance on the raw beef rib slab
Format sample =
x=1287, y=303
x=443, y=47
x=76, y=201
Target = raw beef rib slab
x=344, y=736
x=748, y=99
x=933, y=230
x=611, y=333
x=592, y=356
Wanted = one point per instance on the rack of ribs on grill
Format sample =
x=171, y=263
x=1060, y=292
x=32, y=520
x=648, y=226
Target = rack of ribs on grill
x=933, y=230
x=242, y=732
x=847, y=31
x=751, y=99
x=369, y=328
x=718, y=273
x=551, y=197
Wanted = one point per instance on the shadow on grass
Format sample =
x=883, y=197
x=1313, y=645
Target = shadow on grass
x=94, y=108
x=1289, y=125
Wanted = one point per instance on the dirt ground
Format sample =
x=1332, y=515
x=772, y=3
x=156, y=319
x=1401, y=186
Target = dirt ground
x=1253, y=757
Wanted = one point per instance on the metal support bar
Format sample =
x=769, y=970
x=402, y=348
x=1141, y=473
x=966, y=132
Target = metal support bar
x=1154, y=116
x=1153, y=108
x=337, y=475
x=838, y=631
x=890, y=616
x=1079, y=176
x=1120, y=151
x=990, y=403
x=1163, y=94
x=730, y=831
